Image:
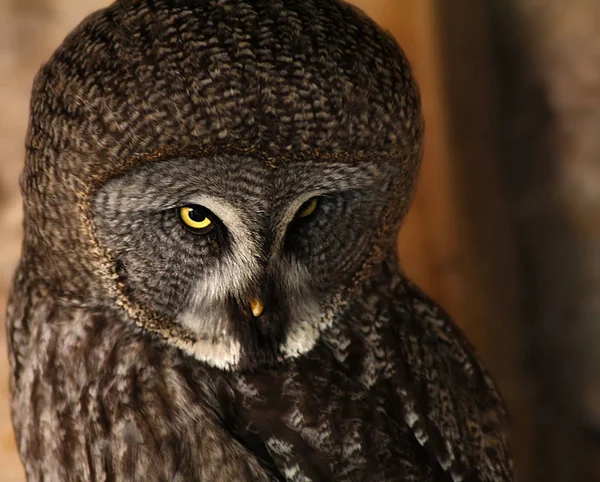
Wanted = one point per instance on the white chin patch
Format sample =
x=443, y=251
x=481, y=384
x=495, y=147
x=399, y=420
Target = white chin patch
x=223, y=354
x=307, y=323
x=301, y=339
x=224, y=351
x=218, y=346
x=221, y=350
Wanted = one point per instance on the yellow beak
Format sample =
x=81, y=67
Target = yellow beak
x=256, y=306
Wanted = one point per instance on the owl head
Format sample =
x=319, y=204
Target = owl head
x=224, y=174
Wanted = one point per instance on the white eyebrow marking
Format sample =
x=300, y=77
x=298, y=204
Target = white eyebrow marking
x=232, y=274
x=246, y=252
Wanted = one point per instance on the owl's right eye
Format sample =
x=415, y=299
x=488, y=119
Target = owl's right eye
x=196, y=219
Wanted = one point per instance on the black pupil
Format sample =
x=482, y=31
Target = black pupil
x=197, y=215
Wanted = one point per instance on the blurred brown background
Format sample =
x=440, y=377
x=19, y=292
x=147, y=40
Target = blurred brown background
x=505, y=229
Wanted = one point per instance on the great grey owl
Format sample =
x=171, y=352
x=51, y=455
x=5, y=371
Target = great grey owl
x=207, y=290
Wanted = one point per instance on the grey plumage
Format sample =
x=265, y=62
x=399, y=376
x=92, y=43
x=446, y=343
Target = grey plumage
x=134, y=352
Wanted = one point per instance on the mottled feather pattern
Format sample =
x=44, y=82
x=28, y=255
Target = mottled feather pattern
x=98, y=400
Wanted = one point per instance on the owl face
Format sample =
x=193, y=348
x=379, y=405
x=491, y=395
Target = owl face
x=312, y=121
x=250, y=259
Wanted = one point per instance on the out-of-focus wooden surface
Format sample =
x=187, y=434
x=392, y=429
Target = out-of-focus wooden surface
x=547, y=56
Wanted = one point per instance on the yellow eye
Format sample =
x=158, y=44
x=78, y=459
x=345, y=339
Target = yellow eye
x=196, y=219
x=308, y=208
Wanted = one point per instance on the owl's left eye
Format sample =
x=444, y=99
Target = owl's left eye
x=308, y=208
x=196, y=219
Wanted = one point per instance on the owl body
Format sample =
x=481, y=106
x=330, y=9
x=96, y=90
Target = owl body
x=208, y=289
x=392, y=392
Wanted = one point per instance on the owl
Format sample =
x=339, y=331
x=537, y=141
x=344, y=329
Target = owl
x=208, y=289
